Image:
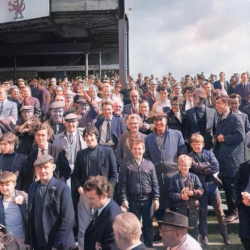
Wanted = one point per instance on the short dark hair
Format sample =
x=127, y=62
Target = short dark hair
x=107, y=103
x=224, y=99
x=43, y=126
x=177, y=99
x=235, y=96
x=100, y=184
x=163, y=89
x=191, y=89
x=89, y=130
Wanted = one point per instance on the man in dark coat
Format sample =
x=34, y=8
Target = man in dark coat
x=99, y=234
x=163, y=147
x=50, y=210
x=92, y=161
x=229, y=150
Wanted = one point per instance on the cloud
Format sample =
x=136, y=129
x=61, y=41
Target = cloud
x=189, y=36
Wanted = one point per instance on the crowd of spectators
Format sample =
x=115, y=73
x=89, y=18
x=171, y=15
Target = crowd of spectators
x=86, y=150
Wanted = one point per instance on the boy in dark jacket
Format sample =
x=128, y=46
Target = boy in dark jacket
x=13, y=207
x=185, y=189
x=139, y=189
x=206, y=166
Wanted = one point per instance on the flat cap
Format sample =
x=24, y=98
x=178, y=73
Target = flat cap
x=70, y=117
x=57, y=105
x=159, y=115
x=69, y=92
x=82, y=101
x=43, y=160
x=165, y=77
x=59, y=88
x=25, y=108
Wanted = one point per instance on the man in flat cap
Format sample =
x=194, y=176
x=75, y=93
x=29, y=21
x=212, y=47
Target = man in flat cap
x=56, y=120
x=201, y=119
x=69, y=103
x=50, y=210
x=24, y=130
x=174, y=231
x=163, y=146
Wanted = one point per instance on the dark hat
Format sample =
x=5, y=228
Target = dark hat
x=43, y=160
x=71, y=117
x=25, y=108
x=57, y=105
x=175, y=219
x=82, y=102
x=159, y=115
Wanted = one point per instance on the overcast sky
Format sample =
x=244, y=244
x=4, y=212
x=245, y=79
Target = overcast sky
x=189, y=36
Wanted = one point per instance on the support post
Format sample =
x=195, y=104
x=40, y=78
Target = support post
x=86, y=65
x=100, y=65
x=15, y=69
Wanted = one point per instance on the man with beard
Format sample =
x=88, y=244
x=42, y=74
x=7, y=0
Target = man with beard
x=56, y=120
x=24, y=130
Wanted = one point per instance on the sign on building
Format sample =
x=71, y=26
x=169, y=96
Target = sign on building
x=20, y=10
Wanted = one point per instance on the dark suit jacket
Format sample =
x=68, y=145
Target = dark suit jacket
x=58, y=216
x=32, y=101
x=106, y=165
x=18, y=165
x=127, y=109
x=118, y=127
x=217, y=85
x=35, y=92
x=101, y=231
x=244, y=93
x=192, y=126
x=29, y=171
x=142, y=247
x=44, y=98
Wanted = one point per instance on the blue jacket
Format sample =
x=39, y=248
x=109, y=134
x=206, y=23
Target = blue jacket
x=176, y=186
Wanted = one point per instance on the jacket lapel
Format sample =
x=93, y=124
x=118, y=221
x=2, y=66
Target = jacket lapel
x=14, y=162
x=1, y=163
x=209, y=118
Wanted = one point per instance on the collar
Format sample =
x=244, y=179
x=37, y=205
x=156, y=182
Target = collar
x=134, y=246
x=100, y=209
x=4, y=101
x=46, y=147
x=224, y=116
x=109, y=118
x=74, y=134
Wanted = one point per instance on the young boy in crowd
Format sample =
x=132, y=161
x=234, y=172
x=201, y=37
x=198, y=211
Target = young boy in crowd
x=206, y=167
x=13, y=210
x=185, y=189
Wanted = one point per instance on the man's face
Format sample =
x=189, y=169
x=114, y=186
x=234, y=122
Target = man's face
x=152, y=87
x=188, y=94
x=197, y=101
x=137, y=151
x=244, y=78
x=107, y=111
x=200, y=81
x=3, y=95
x=27, y=114
x=71, y=126
x=234, y=104
x=175, y=106
x=106, y=92
x=177, y=90
x=57, y=115
x=146, y=81
x=21, y=83
x=220, y=106
x=26, y=93
x=222, y=76
x=95, y=200
x=15, y=93
x=34, y=83
x=91, y=140
x=45, y=172
x=6, y=147
x=134, y=97
x=39, y=86
x=208, y=88
x=143, y=108
x=165, y=80
x=7, y=189
x=118, y=107
x=160, y=124
x=134, y=125
x=68, y=98
x=164, y=95
x=169, y=235
x=41, y=137
x=237, y=79
x=59, y=98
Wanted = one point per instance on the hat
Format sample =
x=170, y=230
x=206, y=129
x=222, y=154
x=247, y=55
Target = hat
x=43, y=160
x=71, y=117
x=165, y=77
x=56, y=105
x=199, y=92
x=59, y=88
x=82, y=101
x=159, y=115
x=69, y=92
x=25, y=108
x=175, y=219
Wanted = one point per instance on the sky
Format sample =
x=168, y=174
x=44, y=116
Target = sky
x=189, y=37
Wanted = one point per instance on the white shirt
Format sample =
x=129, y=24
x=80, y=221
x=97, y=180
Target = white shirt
x=45, y=151
x=189, y=105
x=100, y=209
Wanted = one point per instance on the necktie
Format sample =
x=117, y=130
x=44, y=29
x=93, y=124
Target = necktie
x=71, y=138
x=108, y=134
x=95, y=217
x=153, y=96
x=134, y=110
x=43, y=151
x=1, y=108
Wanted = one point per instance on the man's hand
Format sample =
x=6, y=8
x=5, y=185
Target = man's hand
x=184, y=197
x=125, y=204
x=246, y=202
x=98, y=246
x=156, y=205
x=190, y=193
x=220, y=138
x=80, y=190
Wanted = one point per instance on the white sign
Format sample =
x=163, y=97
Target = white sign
x=20, y=10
